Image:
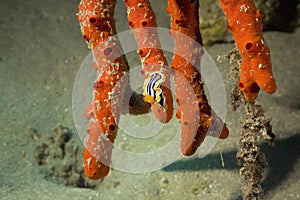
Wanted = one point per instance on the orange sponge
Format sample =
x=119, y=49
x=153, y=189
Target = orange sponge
x=245, y=22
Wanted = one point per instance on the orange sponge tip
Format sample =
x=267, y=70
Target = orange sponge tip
x=93, y=169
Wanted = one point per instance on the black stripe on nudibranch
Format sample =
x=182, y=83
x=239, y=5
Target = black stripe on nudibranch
x=153, y=89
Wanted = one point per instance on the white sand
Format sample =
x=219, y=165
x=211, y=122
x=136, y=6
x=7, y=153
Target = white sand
x=41, y=49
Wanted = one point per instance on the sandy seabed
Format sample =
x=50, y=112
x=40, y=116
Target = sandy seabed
x=41, y=49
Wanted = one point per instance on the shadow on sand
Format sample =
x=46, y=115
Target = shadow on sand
x=281, y=161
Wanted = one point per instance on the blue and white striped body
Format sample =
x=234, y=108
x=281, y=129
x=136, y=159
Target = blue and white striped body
x=153, y=89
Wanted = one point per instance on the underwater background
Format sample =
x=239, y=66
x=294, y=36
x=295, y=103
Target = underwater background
x=41, y=50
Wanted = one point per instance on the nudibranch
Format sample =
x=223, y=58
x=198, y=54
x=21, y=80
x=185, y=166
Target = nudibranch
x=153, y=90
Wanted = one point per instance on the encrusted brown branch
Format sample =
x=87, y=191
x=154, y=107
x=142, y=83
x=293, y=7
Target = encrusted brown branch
x=255, y=127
